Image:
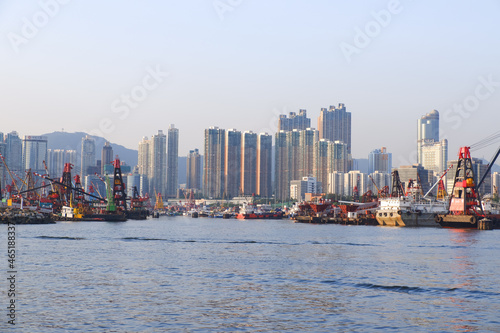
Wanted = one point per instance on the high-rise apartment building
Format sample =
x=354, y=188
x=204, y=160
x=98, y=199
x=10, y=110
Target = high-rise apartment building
x=88, y=159
x=379, y=160
x=295, y=165
x=264, y=165
x=434, y=156
x=307, y=139
x=193, y=170
x=294, y=121
x=232, y=163
x=281, y=170
x=106, y=156
x=321, y=161
x=34, y=153
x=2, y=166
x=334, y=124
x=143, y=154
x=14, y=152
x=158, y=163
x=213, y=168
x=427, y=131
x=172, y=161
x=495, y=183
x=248, y=163
x=355, y=180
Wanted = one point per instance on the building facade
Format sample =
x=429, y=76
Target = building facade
x=264, y=165
x=172, y=161
x=213, y=166
x=427, y=131
x=158, y=163
x=232, y=163
x=193, y=170
x=379, y=160
x=106, y=156
x=334, y=124
x=248, y=163
x=88, y=155
x=294, y=121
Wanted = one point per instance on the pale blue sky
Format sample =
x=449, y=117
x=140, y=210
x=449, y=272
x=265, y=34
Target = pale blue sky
x=261, y=59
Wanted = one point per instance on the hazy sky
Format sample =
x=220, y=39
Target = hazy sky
x=126, y=69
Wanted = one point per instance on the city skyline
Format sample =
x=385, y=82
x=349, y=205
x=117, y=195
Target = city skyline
x=242, y=67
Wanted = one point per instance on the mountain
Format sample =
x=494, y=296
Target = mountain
x=73, y=141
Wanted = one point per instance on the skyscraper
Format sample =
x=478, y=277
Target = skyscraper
x=427, y=131
x=34, y=153
x=213, y=168
x=106, y=156
x=248, y=163
x=307, y=139
x=2, y=166
x=158, y=163
x=294, y=121
x=193, y=170
x=281, y=170
x=88, y=155
x=321, y=161
x=335, y=124
x=143, y=157
x=434, y=156
x=232, y=163
x=264, y=165
x=14, y=152
x=295, y=166
x=172, y=161
x=379, y=160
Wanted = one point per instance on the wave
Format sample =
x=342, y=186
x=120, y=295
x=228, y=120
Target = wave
x=60, y=237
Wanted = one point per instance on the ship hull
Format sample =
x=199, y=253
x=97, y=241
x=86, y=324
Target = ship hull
x=259, y=216
x=412, y=219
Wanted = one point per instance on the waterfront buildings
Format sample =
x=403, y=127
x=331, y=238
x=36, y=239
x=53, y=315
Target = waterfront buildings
x=88, y=157
x=281, y=175
x=264, y=165
x=434, y=156
x=172, y=161
x=232, y=163
x=193, y=170
x=158, y=163
x=427, y=131
x=248, y=163
x=56, y=158
x=213, y=166
x=14, y=152
x=106, y=156
x=298, y=188
x=34, y=153
x=379, y=160
x=334, y=124
x=417, y=174
x=294, y=121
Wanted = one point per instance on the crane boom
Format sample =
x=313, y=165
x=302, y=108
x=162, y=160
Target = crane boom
x=489, y=167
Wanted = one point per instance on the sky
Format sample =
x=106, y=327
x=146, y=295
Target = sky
x=125, y=69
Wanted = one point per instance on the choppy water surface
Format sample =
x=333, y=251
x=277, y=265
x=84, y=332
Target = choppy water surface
x=209, y=275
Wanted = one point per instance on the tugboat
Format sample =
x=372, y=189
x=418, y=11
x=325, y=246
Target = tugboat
x=252, y=212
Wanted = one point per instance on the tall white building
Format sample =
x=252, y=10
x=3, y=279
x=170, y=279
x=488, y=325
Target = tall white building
x=354, y=179
x=427, y=131
x=434, y=156
x=336, y=183
x=158, y=163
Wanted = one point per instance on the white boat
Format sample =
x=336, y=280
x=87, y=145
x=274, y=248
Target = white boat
x=410, y=210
